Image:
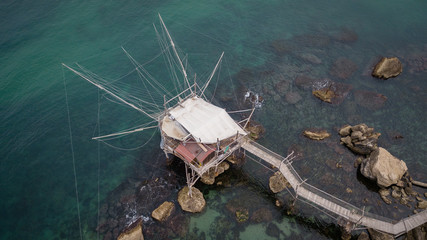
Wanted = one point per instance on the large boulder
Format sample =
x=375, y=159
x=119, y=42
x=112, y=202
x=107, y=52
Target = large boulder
x=194, y=203
x=383, y=167
x=387, y=68
x=163, y=211
x=278, y=182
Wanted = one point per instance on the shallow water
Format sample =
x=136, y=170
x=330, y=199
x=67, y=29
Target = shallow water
x=36, y=170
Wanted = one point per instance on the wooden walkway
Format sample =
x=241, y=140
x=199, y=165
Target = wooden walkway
x=329, y=202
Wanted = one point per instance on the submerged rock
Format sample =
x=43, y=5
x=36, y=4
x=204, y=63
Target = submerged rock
x=262, y=215
x=316, y=134
x=304, y=82
x=311, y=58
x=383, y=167
x=278, y=182
x=292, y=97
x=370, y=100
x=163, y=211
x=242, y=215
x=346, y=35
x=343, y=68
x=273, y=230
x=387, y=68
x=194, y=203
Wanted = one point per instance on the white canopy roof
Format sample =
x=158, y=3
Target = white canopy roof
x=204, y=121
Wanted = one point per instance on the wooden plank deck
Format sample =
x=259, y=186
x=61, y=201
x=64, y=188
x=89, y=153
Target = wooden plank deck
x=328, y=201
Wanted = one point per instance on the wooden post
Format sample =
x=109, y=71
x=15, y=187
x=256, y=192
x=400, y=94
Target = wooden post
x=249, y=118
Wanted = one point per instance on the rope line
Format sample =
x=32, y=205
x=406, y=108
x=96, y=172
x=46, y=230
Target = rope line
x=72, y=154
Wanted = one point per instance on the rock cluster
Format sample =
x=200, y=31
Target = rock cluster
x=359, y=138
x=209, y=176
x=278, y=182
x=387, y=68
x=194, y=203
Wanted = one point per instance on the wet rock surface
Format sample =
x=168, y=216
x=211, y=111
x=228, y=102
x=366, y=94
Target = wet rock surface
x=163, y=211
x=316, y=134
x=387, y=68
x=209, y=176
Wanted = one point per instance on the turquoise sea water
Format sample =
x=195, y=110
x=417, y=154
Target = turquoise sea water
x=38, y=187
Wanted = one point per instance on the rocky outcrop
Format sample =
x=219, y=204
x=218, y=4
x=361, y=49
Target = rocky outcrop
x=383, y=167
x=324, y=94
x=209, y=176
x=376, y=235
x=278, y=182
x=387, y=68
x=133, y=232
x=359, y=138
x=163, y=211
x=316, y=134
x=194, y=203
